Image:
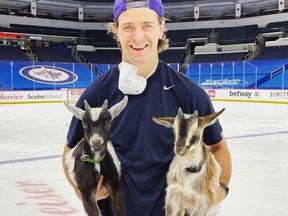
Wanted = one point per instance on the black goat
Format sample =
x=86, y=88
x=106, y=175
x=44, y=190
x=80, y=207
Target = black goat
x=95, y=155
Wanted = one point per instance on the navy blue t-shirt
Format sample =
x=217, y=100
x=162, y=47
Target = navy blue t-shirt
x=145, y=148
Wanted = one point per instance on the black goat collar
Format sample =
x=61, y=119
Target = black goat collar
x=88, y=159
x=194, y=169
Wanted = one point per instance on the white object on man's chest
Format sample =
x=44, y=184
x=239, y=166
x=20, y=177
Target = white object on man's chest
x=129, y=81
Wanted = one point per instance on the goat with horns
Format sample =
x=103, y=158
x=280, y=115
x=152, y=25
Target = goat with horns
x=193, y=167
x=95, y=155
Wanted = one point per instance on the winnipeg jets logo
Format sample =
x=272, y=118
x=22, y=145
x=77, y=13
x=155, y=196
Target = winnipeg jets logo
x=48, y=74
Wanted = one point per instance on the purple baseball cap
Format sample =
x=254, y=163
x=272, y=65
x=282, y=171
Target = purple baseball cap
x=122, y=5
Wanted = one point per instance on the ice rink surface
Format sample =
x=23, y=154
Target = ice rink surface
x=32, y=182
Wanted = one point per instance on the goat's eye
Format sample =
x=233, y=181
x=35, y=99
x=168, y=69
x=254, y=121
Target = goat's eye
x=85, y=126
x=107, y=124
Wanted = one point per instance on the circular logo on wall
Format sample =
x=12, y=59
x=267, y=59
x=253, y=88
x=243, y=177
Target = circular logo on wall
x=48, y=74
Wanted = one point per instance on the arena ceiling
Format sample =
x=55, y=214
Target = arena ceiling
x=181, y=8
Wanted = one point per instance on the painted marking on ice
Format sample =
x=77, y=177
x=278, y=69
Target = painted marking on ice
x=45, y=198
x=257, y=135
x=29, y=159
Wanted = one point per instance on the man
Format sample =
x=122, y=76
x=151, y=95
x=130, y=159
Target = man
x=144, y=148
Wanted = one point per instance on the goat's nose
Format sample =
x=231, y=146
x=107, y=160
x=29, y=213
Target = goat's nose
x=96, y=142
x=177, y=149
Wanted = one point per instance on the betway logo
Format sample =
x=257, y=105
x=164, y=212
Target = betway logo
x=240, y=94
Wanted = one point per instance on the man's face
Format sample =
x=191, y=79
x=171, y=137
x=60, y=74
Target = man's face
x=138, y=33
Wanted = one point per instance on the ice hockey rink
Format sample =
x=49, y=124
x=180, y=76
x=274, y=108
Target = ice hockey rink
x=32, y=182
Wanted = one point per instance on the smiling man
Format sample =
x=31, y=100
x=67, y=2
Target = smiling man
x=139, y=38
x=144, y=148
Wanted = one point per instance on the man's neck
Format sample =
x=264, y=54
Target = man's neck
x=146, y=70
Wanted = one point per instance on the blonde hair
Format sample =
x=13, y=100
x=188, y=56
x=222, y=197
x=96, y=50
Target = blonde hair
x=163, y=43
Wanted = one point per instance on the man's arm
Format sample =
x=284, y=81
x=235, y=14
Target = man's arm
x=222, y=155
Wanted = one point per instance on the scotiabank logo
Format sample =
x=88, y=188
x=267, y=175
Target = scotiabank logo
x=212, y=93
x=48, y=74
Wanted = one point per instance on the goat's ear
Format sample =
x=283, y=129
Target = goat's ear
x=211, y=119
x=87, y=106
x=195, y=114
x=180, y=112
x=105, y=104
x=117, y=108
x=165, y=121
x=77, y=112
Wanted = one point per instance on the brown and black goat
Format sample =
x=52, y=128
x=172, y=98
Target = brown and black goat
x=95, y=155
x=193, y=168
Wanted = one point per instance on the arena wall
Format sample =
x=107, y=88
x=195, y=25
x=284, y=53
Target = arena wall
x=72, y=95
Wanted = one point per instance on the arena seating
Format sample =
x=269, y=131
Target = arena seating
x=12, y=53
x=179, y=37
x=225, y=36
x=113, y=56
x=283, y=24
x=108, y=53
x=49, y=54
x=102, y=56
x=4, y=11
x=173, y=55
x=237, y=35
x=221, y=57
x=41, y=30
x=100, y=38
x=274, y=52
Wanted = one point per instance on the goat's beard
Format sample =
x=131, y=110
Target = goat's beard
x=101, y=148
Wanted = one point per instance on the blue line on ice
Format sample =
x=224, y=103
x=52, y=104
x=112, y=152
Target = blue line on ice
x=29, y=159
x=22, y=160
x=257, y=135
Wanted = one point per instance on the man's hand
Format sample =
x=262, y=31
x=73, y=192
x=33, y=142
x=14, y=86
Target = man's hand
x=219, y=193
x=101, y=192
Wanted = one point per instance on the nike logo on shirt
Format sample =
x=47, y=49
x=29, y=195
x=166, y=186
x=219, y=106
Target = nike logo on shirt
x=168, y=87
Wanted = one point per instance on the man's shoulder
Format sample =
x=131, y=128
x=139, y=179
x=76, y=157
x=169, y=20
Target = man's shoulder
x=107, y=78
x=102, y=87
x=110, y=74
